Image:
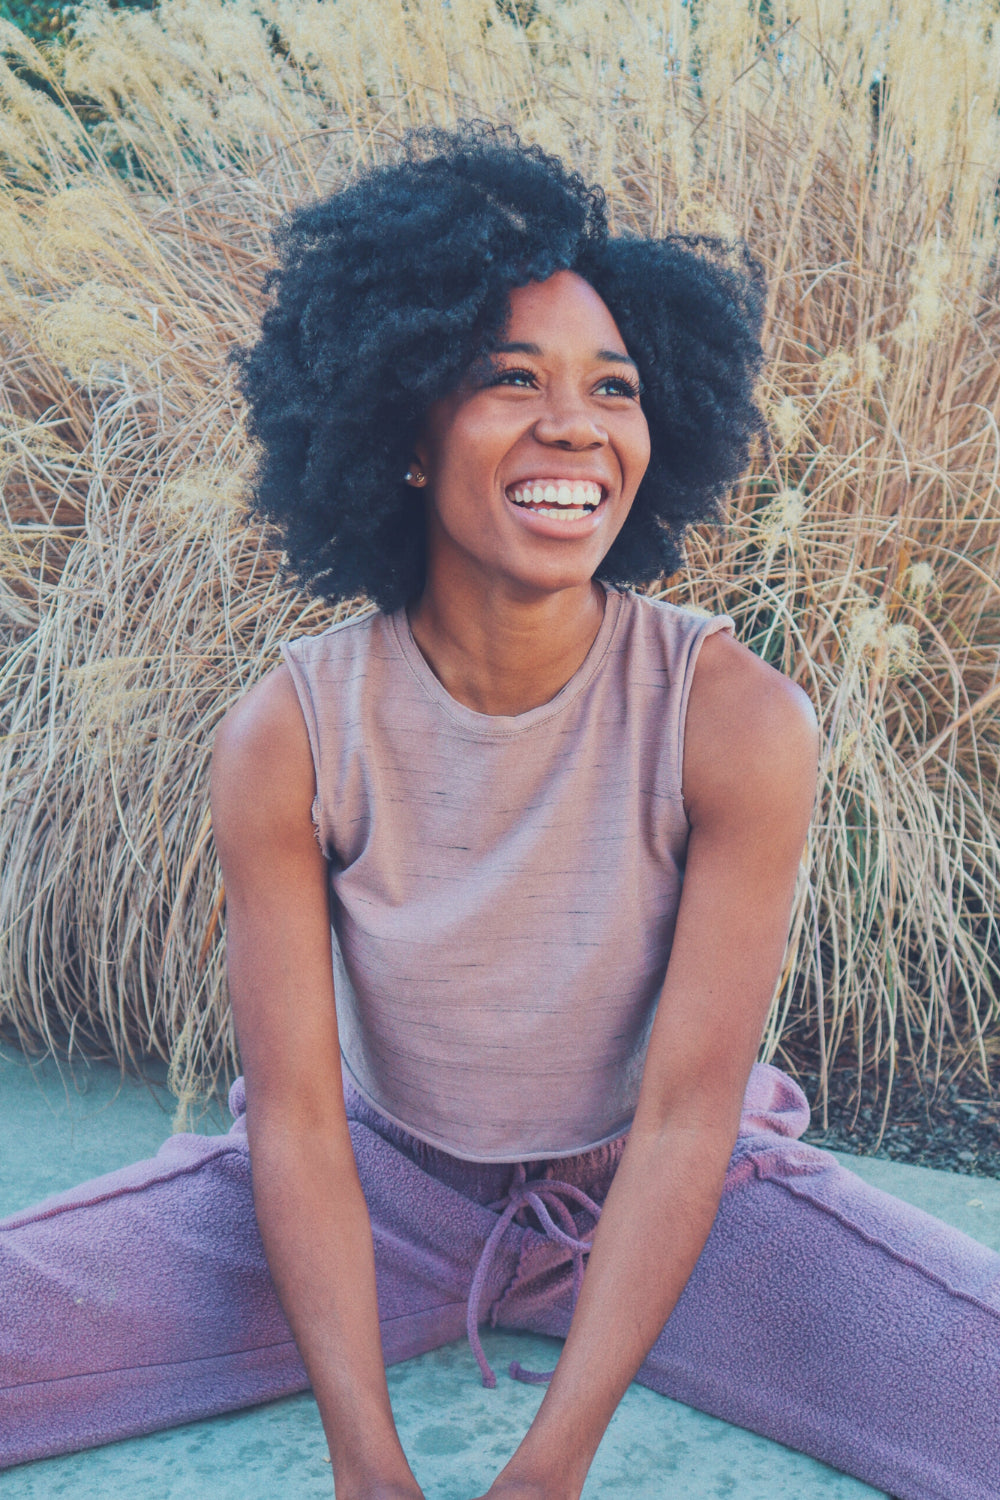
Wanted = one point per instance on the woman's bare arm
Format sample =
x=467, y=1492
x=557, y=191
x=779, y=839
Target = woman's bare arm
x=310, y=1208
x=750, y=774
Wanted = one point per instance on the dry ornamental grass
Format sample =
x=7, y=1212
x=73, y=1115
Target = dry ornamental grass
x=144, y=162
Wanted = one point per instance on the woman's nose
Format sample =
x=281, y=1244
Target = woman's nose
x=567, y=423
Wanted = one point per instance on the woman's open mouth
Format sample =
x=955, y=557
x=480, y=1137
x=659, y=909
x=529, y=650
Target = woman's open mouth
x=557, y=499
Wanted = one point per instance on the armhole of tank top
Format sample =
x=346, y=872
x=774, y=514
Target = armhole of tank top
x=303, y=692
x=711, y=626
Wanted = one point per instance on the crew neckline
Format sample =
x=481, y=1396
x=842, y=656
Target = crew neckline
x=498, y=725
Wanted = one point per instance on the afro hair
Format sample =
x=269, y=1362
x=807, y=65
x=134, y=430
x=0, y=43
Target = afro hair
x=388, y=292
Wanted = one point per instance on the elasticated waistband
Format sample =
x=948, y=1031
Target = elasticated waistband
x=484, y=1181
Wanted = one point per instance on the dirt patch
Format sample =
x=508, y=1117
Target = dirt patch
x=954, y=1127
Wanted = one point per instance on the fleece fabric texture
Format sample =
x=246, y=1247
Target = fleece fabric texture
x=822, y=1313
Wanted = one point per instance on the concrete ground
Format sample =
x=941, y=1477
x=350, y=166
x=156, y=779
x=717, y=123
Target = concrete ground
x=60, y=1125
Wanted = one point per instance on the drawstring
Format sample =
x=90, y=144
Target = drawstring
x=540, y=1195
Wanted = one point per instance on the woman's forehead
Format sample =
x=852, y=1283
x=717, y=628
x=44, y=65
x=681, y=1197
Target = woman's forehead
x=565, y=305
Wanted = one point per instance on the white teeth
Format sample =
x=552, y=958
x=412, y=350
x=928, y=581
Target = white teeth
x=582, y=496
x=562, y=513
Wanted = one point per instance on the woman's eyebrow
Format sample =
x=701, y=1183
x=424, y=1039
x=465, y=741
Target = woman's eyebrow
x=615, y=354
x=623, y=359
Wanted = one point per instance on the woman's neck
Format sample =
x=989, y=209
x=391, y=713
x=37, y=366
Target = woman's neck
x=499, y=654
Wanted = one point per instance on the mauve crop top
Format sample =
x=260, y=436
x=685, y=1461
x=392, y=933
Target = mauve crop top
x=504, y=888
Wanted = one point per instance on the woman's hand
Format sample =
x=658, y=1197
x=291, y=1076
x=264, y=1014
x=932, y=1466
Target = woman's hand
x=522, y=1479
x=522, y=1489
x=380, y=1490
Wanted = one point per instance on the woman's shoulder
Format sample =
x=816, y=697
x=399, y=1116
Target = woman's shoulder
x=735, y=679
x=270, y=743
x=736, y=717
x=726, y=671
x=343, y=638
x=263, y=731
x=262, y=777
x=747, y=724
x=675, y=630
x=270, y=730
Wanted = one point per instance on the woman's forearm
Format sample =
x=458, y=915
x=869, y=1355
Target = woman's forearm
x=655, y=1222
x=317, y=1238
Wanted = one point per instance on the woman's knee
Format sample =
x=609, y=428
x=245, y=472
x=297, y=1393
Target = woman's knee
x=773, y=1104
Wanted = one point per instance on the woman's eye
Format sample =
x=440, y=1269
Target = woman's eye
x=619, y=385
x=513, y=377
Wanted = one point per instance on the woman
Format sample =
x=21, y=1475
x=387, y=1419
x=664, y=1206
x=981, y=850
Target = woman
x=556, y=826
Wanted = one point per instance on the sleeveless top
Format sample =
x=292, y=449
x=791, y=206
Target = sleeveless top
x=503, y=888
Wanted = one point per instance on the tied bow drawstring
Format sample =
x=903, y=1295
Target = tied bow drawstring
x=544, y=1196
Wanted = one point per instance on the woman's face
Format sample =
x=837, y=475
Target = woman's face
x=532, y=466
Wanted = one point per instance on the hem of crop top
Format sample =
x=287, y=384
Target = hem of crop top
x=450, y=1149
x=496, y=725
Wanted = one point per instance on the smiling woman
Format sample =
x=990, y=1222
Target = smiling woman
x=531, y=468
x=508, y=861
x=393, y=293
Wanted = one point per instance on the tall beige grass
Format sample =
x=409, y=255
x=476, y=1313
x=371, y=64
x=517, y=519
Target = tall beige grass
x=857, y=148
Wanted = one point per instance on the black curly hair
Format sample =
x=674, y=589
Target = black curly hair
x=389, y=292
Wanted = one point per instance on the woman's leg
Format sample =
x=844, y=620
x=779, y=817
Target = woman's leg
x=142, y=1299
x=136, y=1301
x=827, y=1315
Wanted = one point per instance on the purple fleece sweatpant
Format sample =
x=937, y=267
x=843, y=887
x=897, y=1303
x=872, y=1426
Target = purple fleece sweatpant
x=821, y=1313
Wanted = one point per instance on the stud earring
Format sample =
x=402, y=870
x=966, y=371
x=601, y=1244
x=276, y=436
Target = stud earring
x=415, y=476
